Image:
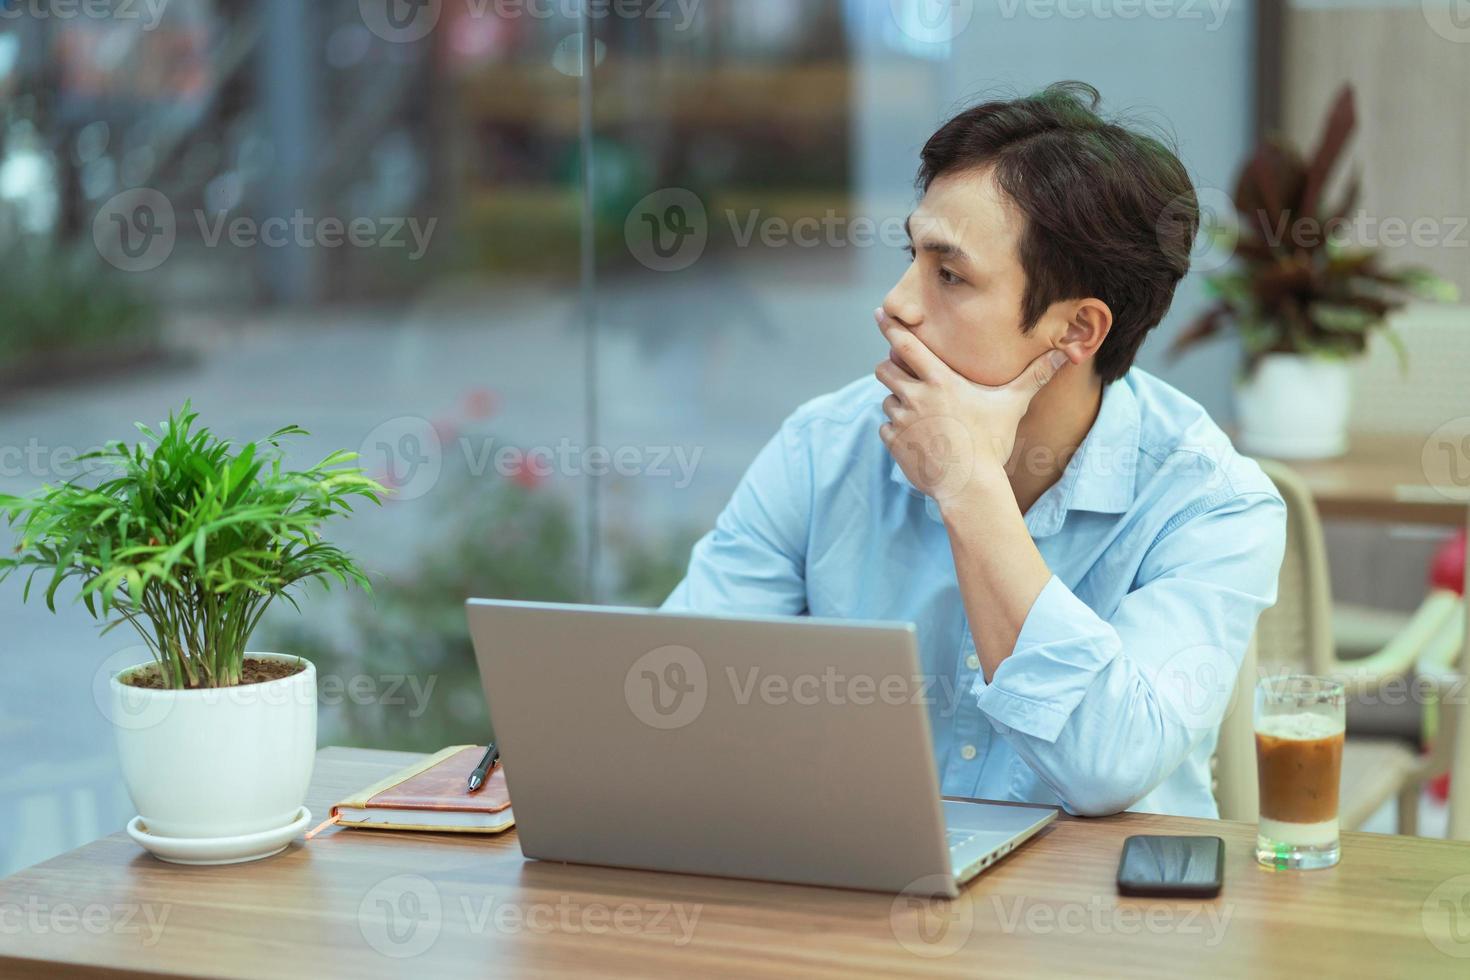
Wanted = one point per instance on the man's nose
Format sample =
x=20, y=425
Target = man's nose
x=900, y=305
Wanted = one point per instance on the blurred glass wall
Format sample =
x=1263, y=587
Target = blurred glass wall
x=556, y=270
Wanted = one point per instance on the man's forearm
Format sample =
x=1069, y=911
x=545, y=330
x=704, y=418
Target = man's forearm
x=1000, y=571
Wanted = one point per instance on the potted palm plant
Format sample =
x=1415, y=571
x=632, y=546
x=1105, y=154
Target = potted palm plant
x=188, y=539
x=1303, y=298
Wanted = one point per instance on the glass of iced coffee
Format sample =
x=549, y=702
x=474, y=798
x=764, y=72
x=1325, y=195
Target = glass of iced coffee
x=1299, y=725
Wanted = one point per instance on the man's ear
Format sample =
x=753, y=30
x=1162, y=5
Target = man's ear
x=1087, y=325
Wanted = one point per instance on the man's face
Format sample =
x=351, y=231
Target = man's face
x=961, y=296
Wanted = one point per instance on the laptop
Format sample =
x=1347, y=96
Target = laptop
x=787, y=749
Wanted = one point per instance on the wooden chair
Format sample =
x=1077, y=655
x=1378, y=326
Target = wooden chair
x=1234, y=762
x=1295, y=635
x=1445, y=663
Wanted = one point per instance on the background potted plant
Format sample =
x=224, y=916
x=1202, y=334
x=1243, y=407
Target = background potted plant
x=1303, y=299
x=189, y=539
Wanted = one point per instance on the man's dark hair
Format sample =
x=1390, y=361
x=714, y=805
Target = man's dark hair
x=1109, y=212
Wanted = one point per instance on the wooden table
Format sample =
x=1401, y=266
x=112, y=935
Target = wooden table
x=1390, y=480
x=364, y=904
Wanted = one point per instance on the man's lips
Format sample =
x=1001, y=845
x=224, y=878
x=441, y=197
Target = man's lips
x=893, y=356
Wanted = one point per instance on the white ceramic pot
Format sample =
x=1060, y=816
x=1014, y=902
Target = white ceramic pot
x=218, y=763
x=1294, y=406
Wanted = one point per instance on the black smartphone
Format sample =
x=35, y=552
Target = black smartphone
x=1172, y=867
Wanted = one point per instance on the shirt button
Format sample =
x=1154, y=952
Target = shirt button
x=972, y=662
x=967, y=752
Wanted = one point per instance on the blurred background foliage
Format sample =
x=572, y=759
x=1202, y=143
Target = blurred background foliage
x=65, y=318
x=396, y=668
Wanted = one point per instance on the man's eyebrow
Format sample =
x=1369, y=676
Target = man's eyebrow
x=940, y=247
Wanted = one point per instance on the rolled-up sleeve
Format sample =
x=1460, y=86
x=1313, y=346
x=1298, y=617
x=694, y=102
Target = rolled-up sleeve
x=754, y=560
x=1103, y=709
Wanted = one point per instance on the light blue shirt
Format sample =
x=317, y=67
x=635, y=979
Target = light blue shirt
x=1165, y=545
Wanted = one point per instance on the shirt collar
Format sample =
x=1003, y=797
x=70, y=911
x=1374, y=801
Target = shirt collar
x=1100, y=477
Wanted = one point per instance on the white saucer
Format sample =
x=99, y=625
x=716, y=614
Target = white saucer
x=218, y=850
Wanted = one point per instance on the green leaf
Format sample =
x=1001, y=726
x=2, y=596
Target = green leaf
x=1427, y=285
x=189, y=539
x=1344, y=319
x=1397, y=343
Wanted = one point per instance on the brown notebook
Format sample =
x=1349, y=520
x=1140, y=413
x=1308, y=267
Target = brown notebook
x=433, y=794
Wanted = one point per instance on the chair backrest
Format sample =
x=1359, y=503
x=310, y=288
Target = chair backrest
x=1233, y=775
x=1296, y=633
x=1293, y=635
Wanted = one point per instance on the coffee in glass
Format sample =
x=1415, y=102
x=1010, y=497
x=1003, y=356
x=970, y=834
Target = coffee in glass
x=1299, y=722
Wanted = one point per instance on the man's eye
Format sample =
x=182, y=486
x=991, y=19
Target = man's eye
x=913, y=253
x=949, y=278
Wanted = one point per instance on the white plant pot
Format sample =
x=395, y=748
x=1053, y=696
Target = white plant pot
x=1294, y=406
x=217, y=774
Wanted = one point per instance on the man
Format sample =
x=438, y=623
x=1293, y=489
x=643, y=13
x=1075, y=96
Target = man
x=1082, y=550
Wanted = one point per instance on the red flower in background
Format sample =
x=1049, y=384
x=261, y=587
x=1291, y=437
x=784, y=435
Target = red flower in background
x=1447, y=570
x=524, y=475
x=480, y=403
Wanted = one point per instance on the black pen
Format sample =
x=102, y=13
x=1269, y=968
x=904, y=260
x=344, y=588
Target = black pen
x=477, y=778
